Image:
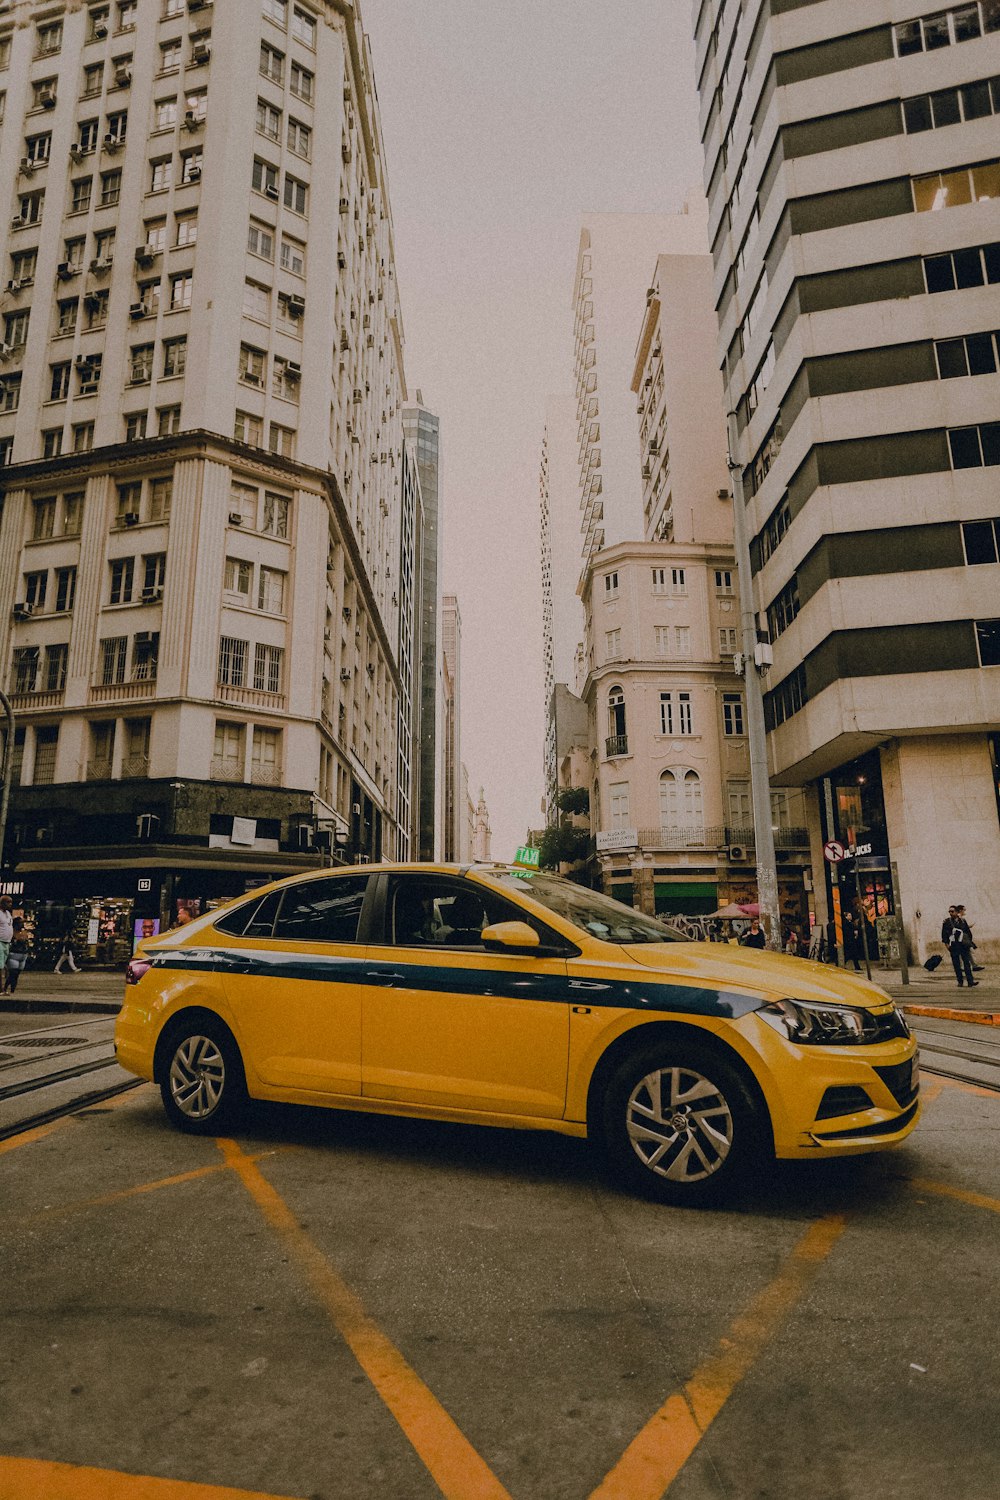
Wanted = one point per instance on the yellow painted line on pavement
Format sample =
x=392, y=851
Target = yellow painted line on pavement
x=450, y=1459
x=655, y=1457
x=40, y=1131
x=961, y=1195
x=966, y=1088
x=40, y=1479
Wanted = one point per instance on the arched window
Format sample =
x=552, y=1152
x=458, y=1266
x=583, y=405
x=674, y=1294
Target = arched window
x=681, y=810
x=617, y=741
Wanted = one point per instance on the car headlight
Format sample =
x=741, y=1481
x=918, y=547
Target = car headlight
x=816, y=1023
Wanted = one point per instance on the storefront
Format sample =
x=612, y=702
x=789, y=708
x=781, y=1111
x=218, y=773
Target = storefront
x=860, y=885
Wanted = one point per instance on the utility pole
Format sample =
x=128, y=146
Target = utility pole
x=8, y=769
x=756, y=658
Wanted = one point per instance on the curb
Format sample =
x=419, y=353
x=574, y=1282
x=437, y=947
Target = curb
x=947, y=1013
x=60, y=1007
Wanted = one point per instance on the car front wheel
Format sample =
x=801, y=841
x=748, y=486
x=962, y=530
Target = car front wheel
x=680, y=1125
x=203, y=1086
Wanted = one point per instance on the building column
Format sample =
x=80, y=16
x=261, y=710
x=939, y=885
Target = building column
x=944, y=835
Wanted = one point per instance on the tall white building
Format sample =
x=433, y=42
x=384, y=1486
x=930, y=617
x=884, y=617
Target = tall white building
x=452, y=775
x=614, y=259
x=853, y=173
x=200, y=423
x=562, y=618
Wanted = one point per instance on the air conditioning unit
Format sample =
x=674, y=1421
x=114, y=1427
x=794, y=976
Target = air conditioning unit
x=13, y=286
x=738, y=852
x=99, y=30
x=92, y=301
x=17, y=222
x=345, y=342
x=113, y=143
x=346, y=611
x=83, y=363
x=152, y=593
x=145, y=638
x=66, y=270
x=271, y=191
x=47, y=98
x=293, y=371
x=22, y=611
x=722, y=494
x=131, y=518
x=235, y=518
x=200, y=52
x=6, y=350
x=358, y=396
x=356, y=809
x=193, y=175
x=345, y=151
x=196, y=4
x=191, y=120
x=138, y=310
x=26, y=166
x=341, y=260
x=100, y=264
x=123, y=77
x=248, y=378
x=76, y=151
x=296, y=306
x=345, y=674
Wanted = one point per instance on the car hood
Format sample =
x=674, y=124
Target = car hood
x=773, y=974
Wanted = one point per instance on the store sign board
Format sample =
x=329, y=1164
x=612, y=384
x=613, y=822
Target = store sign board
x=617, y=838
x=244, y=831
x=145, y=884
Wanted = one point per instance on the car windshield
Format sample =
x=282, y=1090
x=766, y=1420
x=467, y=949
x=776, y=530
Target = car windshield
x=598, y=915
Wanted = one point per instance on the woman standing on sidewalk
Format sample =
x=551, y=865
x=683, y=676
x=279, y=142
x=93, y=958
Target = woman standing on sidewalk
x=17, y=956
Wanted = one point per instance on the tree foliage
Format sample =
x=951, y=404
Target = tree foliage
x=563, y=845
x=574, y=799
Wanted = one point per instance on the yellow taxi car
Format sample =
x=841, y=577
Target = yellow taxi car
x=501, y=996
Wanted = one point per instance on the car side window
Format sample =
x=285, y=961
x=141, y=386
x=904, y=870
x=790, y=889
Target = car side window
x=322, y=911
x=247, y=918
x=435, y=911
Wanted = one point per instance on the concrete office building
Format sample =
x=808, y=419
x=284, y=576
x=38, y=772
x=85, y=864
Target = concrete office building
x=616, y=252
x=423, y=433
x=408, y=737
x=454, y=797
x=200, y=426
x=562, y=621
x=853, y=173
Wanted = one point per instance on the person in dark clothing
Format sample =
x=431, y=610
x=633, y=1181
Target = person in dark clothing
x=852, y=941
x=957, y=935
x=754, y=937
x=17, y=958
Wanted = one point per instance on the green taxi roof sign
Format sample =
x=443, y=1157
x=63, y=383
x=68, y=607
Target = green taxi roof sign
x=527, y=857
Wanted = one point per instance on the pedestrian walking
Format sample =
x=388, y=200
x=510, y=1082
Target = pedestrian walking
x=754, y=937
x=852, y=941
x=67, y=954
x=17, y=956
x=6, y=934
x=957, y=935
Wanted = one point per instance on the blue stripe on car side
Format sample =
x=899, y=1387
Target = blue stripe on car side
x=637, y=993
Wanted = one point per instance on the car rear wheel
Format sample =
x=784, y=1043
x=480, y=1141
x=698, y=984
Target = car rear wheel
x=680, y=1125
x=203, y=1085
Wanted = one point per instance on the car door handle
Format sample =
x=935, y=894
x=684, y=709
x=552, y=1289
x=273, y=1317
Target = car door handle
x=382, y=976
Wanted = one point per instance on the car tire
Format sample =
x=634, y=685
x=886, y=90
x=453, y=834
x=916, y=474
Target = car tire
x=202, y=1084
x=680, y=1124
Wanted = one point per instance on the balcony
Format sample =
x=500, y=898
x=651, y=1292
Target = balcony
x=28, y=702
x=123, y=692
x=265, y=775
x=784, y=838
x=615, y=745
x=134, y=767
x=696, y=836
x=249, y=697
x=99, y=769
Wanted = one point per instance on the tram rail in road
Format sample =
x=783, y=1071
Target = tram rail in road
x=38, y=1083
x=943, y=1044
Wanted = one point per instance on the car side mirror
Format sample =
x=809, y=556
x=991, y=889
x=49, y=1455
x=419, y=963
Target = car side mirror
x=511, y=937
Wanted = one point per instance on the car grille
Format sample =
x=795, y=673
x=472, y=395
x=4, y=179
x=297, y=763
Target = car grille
x=900, y=1080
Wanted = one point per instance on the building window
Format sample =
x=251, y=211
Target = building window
x=253, y=364
x=142, y=364
x=681, y=808
x=232, y=662
x=267, y=668
x=135, y=426
x=128, y=506
x=10, y=392
x=174, y=356
x=959, y=269
x=271, y=591
x=260, y=240
x=72, y=513
x=784, y=609
x=248, y=429
x=723, y=581
x=52, y=441
x=728, y=641
x=610, y=586
x=170, y=56
x=973, y=101
x=136, y=758
x=988, y=642
x=83, y=437
x=975, y=447
x=284, y=379
x=155, y=232
x=980, y=540
x=114, y=652
x=160, y=496
x=277, y=509
x=93, y=80
x=616, y=714
x=126, y=14
x=265, y=757
x=301, y=82
x=154, y=567
x=180, y=291
x=122, y=577
x=228, y=753
x=268, y=120
x=243, y=501
x=272, y=63
x=80, y=193
x=187, y=230
x=659, y=580
x=69, y=311
x=937, y=190
x=161, y=174
x=165, y=115
x=145, y=655
x=732, y=715
x=43, y=93
x=299, y=139
x=740, y=805
x=304, y=27
x=293, y=256
x=25, y=669
x=678, y=581
x=264, y=178
x=973, y=355
x=168, y=421
x=256, y=302
x=38, y=148
x=618, y=801
x=962, y=24
x=276, y=11
x=16, y=328
x=295, y=195
x=281, y=440
x=238, y=579
x=612, y=645
x=43, y=519
x=35, y=585
x=95, y=309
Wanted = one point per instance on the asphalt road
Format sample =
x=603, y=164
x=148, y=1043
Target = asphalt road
x=337, y=1307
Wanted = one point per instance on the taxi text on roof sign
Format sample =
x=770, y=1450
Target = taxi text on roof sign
x=527, y=857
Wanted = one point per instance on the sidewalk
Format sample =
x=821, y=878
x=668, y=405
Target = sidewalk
x=41, y=990
x=939, y=995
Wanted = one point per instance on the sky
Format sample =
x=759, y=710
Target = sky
x=503, y=125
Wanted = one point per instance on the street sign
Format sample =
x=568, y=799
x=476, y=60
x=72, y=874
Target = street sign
x=527, y=857
x=833, y=850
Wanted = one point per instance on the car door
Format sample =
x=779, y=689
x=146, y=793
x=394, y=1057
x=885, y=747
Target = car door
x=292, y=976
x=447, y=1023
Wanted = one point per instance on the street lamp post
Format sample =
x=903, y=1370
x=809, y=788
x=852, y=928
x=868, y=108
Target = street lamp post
x=755, y=659
x=8, y=770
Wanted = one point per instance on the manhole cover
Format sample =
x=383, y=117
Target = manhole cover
x=41, y=1041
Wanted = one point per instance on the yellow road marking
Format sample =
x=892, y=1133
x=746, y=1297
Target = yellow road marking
x=40, y=1479
x=454, y=1465
x=657, y=1454
x=962, y=1195
x=42, y=1130
x=966, y=1088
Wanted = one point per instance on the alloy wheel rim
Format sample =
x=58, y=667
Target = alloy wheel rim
x=197, y=1077
x=679, y=1124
